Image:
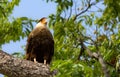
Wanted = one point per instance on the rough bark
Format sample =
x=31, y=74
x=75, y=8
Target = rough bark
x=15, y=67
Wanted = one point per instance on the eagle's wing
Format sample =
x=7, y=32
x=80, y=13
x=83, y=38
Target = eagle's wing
x=51, y=47
x=29, y=46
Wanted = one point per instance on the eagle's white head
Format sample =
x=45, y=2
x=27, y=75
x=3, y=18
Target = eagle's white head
x=42, y=22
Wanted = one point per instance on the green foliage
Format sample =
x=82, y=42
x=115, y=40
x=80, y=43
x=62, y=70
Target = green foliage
x=98, y=33
x=111, y=12
x=12, y=28
x=72, y=69
x=6, y=7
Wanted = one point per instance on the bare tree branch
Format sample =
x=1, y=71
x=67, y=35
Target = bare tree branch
x=88, y=6
x=81, y=49
x=99, y=57
x=15, y=67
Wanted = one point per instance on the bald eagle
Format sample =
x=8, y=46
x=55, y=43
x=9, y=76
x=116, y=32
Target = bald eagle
x=40, y=43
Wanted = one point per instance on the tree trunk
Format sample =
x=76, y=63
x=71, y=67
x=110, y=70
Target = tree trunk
x=15, y=67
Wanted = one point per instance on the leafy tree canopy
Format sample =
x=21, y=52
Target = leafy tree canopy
x=12, y=28
x=86, y=34
x=93, y=23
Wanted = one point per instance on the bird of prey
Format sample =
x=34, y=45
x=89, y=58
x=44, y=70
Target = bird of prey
x=40, y=43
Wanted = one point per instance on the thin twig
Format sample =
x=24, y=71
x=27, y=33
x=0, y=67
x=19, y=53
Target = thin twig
x=89, y=5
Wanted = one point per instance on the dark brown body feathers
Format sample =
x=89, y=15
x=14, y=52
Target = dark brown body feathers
x=40, y=45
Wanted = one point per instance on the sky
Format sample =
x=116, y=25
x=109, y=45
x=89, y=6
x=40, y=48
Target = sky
x=34, y=9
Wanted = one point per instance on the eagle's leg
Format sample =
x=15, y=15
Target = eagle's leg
x=45, y=61
x=44, y=65
x=35, y=60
